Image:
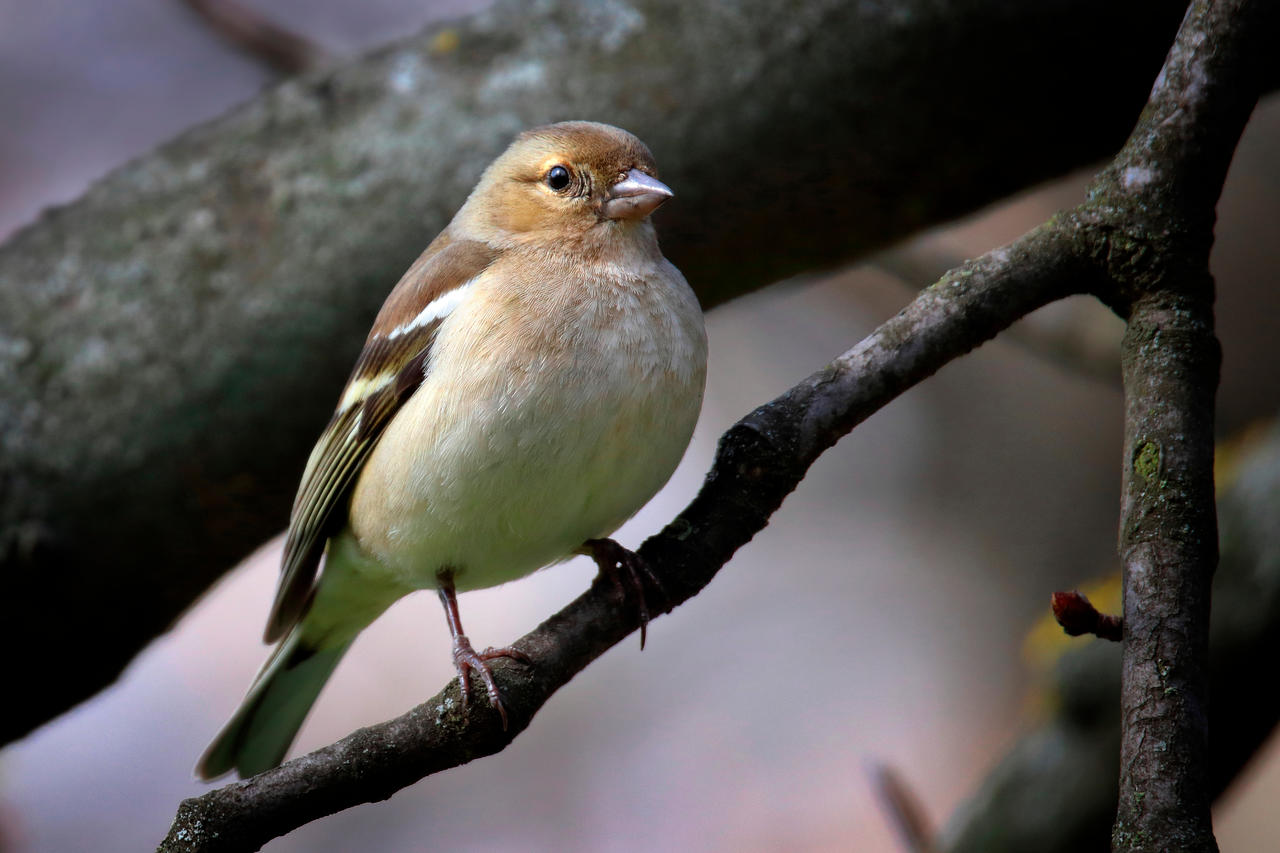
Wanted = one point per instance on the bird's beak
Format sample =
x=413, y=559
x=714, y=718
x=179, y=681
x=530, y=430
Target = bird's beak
x=635, y=196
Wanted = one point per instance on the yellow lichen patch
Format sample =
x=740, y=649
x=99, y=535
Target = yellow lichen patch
x=445, y=41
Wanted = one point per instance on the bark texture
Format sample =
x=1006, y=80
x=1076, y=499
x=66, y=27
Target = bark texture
x=1164, y=187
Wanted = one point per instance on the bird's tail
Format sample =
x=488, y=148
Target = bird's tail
x=257, y=737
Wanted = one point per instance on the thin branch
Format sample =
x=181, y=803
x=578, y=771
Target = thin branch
x=903, y=808
x=760, y=461
x=1079, y=337
x=263, y=39
x=1162, y=191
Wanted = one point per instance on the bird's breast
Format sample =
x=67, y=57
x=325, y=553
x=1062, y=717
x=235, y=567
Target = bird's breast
x=549, y=415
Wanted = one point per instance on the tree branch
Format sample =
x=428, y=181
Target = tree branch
x=1162, y=190
x=1157, y=200
x=244, y=27
x=760, y=461
x=1159, y=196
x=1055, y=790
x=903, y=809
x=169, y=342
x=1075, y=336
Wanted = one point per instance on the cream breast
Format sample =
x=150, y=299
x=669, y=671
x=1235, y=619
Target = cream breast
x=536, y=429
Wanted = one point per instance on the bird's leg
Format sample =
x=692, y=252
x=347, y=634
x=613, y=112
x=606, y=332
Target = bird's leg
x=465, y=658
x=614, y=561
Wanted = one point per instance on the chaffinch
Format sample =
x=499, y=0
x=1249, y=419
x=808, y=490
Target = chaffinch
x=531, y=382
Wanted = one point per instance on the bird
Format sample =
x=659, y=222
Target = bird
x=531, y=381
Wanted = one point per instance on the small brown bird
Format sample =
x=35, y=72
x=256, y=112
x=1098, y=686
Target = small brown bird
x=529, y=384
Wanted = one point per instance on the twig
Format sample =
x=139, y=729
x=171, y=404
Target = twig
x=903, y=808
x=247, y=29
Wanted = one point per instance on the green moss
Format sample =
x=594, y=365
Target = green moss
x=1146, y=461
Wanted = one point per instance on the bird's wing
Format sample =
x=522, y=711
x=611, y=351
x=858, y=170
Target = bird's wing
x=393, y=363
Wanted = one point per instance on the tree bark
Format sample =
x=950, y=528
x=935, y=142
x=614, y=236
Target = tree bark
x=1164, y=188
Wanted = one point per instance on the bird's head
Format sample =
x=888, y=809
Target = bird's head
x=565, y=181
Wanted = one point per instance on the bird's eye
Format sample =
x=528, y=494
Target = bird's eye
x=558, y=178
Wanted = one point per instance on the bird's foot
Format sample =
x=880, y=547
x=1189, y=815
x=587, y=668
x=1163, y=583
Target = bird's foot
x=615, y=562
x=466, y=659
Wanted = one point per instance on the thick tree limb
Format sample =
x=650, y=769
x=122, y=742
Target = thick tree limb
x=759, y=462
x=170, y=342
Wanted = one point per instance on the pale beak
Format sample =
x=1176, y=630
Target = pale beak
x=635, y=196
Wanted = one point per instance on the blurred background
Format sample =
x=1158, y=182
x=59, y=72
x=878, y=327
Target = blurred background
x=881, y=618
